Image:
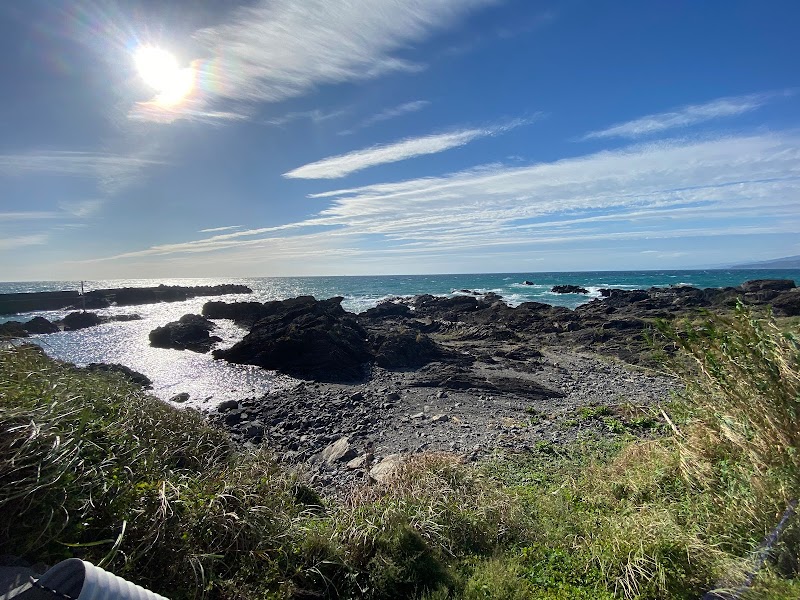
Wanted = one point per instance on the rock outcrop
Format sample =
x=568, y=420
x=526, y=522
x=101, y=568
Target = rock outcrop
x=190, y=332
x=12, y=329
x=305, y=338
x=569, y=289
x=80, y=320
x=127, y=373
x=40, y=325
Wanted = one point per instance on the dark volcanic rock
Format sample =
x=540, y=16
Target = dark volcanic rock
x=130, y=374
x=12, y=329
x=787, y=303
x=81, y=320
x=569, y=289
x=40, y=325
x=306, y=338
x=244, y=314
x=387, y=309
x=449, y=309
x=526, y=282
x=190, y=332
x=166, y=293
x=459, y=378
x=772, y=285
x=406, y=349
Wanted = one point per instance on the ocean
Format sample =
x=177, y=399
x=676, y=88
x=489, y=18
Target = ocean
x=209, y=382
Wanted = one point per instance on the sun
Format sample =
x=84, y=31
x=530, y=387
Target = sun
x=159, y=69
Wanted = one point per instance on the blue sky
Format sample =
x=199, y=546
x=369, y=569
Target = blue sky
x=279, y=137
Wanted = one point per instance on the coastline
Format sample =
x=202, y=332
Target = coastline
x=467, y=374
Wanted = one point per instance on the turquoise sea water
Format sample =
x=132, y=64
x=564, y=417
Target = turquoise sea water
x=209, y=382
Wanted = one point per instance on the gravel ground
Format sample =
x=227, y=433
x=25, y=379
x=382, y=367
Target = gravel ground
x=515, y=400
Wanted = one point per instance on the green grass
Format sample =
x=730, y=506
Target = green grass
x=670, y=507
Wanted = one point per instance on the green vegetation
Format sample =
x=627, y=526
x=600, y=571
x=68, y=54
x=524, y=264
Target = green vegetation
x=92, y=467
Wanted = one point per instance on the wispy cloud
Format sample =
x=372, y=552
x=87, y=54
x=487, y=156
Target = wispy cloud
x=344, y=164
x=29, y=215
x=389, y=113
x=196, y=109
x=112, y=171
x=278, y=49
x=316, y=116
x=608, y=197
x=685, y=116
x=12, y=243
x=214, y=229
x=82, y=208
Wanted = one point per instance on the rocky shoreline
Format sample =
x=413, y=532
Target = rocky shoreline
x=467, y=374
x=342, y=434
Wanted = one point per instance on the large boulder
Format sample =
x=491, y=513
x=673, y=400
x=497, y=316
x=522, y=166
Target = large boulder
x=305, y=338
x=190, y=332
x=40, y=325
x=787, y=303
x=12, y=329
x=387, y=309
x=81, y=320
x=761, y=291
x=772, y=285
x=126, y=372
x=405, y=349
x=245, y=314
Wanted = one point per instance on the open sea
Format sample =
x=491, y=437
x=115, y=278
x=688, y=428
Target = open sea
x=209, y=382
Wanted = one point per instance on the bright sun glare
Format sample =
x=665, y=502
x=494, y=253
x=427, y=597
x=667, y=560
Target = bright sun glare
x=159, y=69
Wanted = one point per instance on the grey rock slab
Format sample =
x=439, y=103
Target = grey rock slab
x=338, y=451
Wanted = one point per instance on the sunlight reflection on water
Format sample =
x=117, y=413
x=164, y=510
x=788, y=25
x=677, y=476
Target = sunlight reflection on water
x=207, y=381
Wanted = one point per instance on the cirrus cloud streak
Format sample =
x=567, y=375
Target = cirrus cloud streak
x=739, y=185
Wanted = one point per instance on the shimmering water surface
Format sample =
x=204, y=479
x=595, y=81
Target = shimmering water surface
x=209, y=382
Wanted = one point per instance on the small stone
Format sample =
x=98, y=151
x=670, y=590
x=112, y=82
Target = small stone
x=254, y=431
x=418, y=416
x=393, y=396
x=357, y=397
x=358, y=462
x=441, y=394
x=339, y=450
x=439, y=419
x=233, y=418
x=227, y=405
x=182, y=397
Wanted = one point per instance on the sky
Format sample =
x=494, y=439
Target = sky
x=215, y=138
